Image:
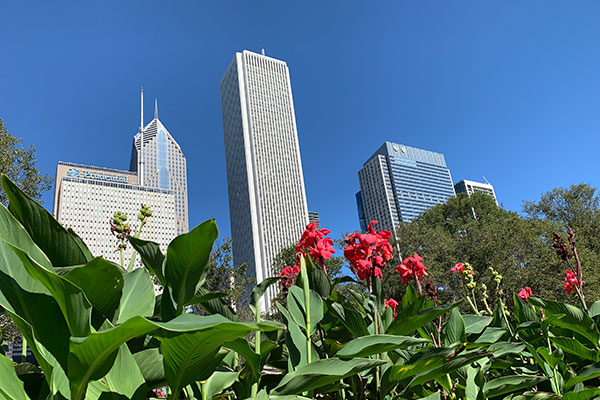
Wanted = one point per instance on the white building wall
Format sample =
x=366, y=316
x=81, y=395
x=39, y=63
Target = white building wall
x=264, y=172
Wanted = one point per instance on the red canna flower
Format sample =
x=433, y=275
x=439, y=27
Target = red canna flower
x=288, y=276
x=367, y=252
x=458, y=267
x=412, y=267
x=318, y=246
x=525, y=293
x=391, y=303
x=571, y=282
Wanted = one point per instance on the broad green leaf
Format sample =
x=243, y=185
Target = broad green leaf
x=317, y=279
x=219, y=381
x=432, y=396
x=594, y=310
x=499, y=349
x=583, y=395
x=476, y=323
x=214, y=304
x=570, y=317
x=264, y=396
x=295, y=341
x=92, y=357
x=375, y=344
x=454, y=330
x=523, y=311
x=41, y=313
x=203, y=298
x=322, y=372
x=474, y=383
x=538, y=396
x=511, y=383
x=491, y=335
x=423, y=360
x=588, y=372
x=125, y=376
x=297, y=308
x=11, y=386
x=62, y=247
x=253, y=361
x=447, y=367
x=75, y=307
x=575, y=347
x=138, y=296
x=406, y=326
x=351, y=319
x=151, y=256
x=102, y=283
x=187, y=261
x=150, y=362
x=258, y=292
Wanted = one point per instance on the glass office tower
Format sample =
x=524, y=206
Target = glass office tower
x=398, y=183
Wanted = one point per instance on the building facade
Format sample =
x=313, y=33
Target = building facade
x=398, y=183
x=313, y=216
x=470, y=187
x=85, y=198
x=164, y=166
x=267, y=199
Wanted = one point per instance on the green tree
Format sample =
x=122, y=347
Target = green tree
x=474, y=230
x=19, y=164
x=224, y=276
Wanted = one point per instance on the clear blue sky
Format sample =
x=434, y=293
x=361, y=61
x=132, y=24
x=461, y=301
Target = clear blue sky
x=509, y=90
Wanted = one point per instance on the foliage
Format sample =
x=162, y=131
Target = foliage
x=18, y=163
x=98, y=331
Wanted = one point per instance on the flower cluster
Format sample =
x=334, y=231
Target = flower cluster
x=525, y=293
x=466, y=272
x=412, y=267
x=288, y=275
x=393, y=304
x=319, y=247
x=571, y=282
x=561, y=247
x=368, y=252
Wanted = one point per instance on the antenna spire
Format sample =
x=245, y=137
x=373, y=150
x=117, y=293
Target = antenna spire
x=155, y=108
x=141, y=172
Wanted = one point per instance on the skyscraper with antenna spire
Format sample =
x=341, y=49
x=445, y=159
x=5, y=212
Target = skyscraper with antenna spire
x=160, y=163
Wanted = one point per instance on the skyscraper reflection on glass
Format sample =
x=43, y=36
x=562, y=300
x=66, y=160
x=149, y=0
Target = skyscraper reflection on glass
x=398, y=183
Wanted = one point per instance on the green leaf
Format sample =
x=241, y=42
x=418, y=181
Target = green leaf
x=583, y=395
x=63, y=247
x=264, y=396
x=317, y=279
x=571, y=318
x=92, y=357
x=11, y=386
x=447, y=367
x=575, y=347
x=258, y=292
x=125, y=376
x=297, y=309
x=594, y=310
x=376, y=344
x=150, y=363
x=491, y=335
x=151, y=256
x=187, y=261
x=322, y=372
x=523, y=311
x=454, y=330
x=499, y=349
x=295, y=341
x=214, y=305
x=351, y=319
x=101, y=282
x=138, y=296
x=474, y=383
x=253, y=361
x=75, y=307
x=475, y=324
x=423, y=360
x=538, y=396
x=432, y=396
x=406, y=326
x=511, y=383
x=219, y=381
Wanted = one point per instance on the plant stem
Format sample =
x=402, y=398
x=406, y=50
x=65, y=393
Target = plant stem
x=121, y=251
x=204, y=394
x=256, y=344
x=307, y=308
x=134, y=253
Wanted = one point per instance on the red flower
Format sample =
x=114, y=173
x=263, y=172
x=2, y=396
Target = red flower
x=457, y=268
x=391, y=303
x=570, y=282
x=318, y=246
x=412, y=267
x=288, y=275
x=525, y=293
x=367, y=252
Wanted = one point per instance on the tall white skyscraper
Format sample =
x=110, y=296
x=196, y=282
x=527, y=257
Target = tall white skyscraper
x=267, y=200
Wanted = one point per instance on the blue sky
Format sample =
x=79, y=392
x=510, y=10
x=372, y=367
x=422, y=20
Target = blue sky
x=507, y=90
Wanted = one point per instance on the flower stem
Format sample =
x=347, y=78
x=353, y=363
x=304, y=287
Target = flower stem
x=134, y=253
x=256, y=344
x=307, y=308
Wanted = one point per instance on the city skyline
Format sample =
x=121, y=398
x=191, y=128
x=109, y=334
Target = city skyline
x=267, y=200
x=496, y=102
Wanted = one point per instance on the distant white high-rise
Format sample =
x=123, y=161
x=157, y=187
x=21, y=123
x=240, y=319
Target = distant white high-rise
x=470, y=187
x=267, y=200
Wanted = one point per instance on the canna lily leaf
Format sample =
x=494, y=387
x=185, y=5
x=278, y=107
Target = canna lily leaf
x=511, y=383
x=376, y=344
x=11, y=387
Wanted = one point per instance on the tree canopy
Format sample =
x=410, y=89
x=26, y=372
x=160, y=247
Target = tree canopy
x=19, y=164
